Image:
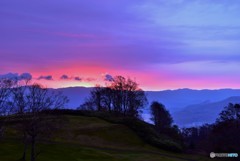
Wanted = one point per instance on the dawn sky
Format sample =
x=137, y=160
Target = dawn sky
x=163, y=44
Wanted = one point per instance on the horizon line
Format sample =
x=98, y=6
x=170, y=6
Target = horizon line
x=202, y=89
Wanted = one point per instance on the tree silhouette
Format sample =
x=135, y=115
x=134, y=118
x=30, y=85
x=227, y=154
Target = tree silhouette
x=120, y=96
x=225, y=134
x=230, y=113
x=19, y=105
x=160, y=116
x=5, y=92
x=30, y=104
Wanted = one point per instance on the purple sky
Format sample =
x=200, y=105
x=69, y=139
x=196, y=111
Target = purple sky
x=163, y=44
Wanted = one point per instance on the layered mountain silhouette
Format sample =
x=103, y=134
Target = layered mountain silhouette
x=187, y=106
x=205, y=112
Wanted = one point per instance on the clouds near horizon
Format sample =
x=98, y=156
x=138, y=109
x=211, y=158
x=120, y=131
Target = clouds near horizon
x=16, y=76
x=47, y=77
x=165, y=41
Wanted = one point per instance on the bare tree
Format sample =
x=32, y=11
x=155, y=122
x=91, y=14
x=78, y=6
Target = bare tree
x=31, y=103
x=107, y=99
x=121, y=96
x=5, y=92
x=97, y=95
x=19, y=107
x=127, y=97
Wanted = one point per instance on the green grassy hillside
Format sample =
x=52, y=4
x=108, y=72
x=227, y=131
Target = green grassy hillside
x=83, y=138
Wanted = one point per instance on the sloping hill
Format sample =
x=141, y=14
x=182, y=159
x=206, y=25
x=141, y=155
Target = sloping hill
x=92, y=131
x=83, y=138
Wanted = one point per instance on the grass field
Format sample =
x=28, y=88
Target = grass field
x=90, y=139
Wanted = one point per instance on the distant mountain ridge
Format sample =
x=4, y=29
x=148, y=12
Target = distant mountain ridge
x=176, y=100
x=76, y=95
x=198, y=114
x=183, y=104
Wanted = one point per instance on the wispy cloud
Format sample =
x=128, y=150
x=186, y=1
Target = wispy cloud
x=48, y=77
x=77, y=78
x=108, y=78
x=64, y=77
x=16, y=76
x=70, y=78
